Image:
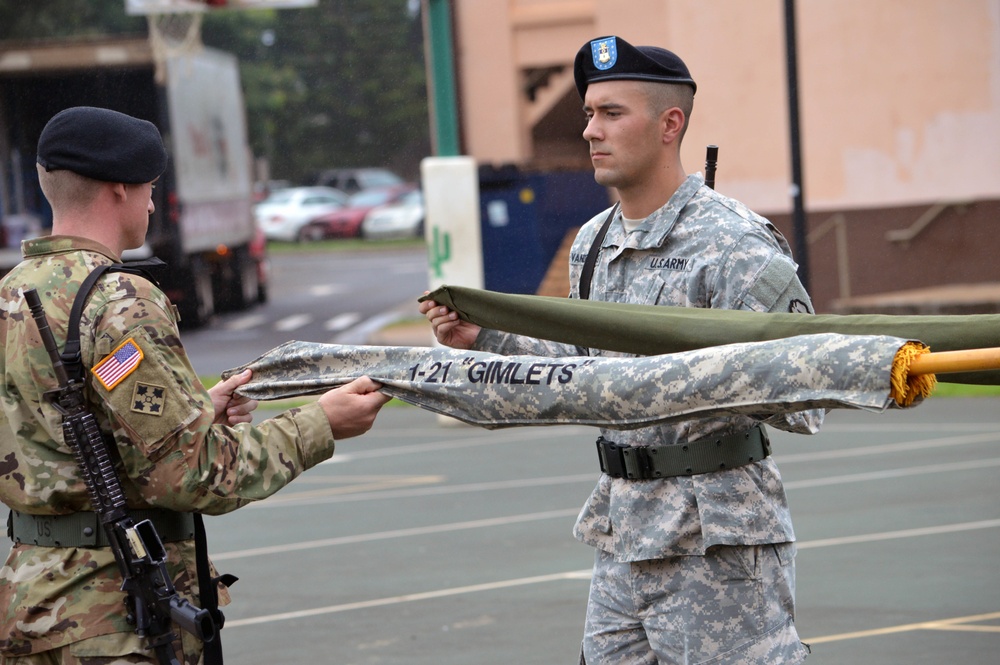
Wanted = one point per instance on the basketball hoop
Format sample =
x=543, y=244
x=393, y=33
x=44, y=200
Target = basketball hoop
x=174, y=28
x=175, y=25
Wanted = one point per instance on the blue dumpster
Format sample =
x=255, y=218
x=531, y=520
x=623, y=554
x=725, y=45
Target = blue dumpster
x=526, y=216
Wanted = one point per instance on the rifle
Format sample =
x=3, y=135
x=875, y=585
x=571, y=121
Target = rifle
x=711, y=159
x=151, y=598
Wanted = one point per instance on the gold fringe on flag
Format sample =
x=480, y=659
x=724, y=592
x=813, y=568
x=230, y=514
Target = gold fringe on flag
x=907, y=386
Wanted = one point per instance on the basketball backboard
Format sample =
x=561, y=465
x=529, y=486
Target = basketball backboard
x=146, y=7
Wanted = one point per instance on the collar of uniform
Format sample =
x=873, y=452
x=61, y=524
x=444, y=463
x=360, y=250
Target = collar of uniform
x=45, y=245
x=654, y=231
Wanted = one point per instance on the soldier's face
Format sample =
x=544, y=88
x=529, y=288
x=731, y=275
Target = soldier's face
x=624, y=137
x=141, y=207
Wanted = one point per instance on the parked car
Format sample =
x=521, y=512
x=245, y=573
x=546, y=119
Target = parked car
x=353, y=180
x=402, y=219
x=346, y=222
x=284, y=214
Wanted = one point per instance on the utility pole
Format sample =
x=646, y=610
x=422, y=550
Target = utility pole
x=797, y=188
x=441, y=77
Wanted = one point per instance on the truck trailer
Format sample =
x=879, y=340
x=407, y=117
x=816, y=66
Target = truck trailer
x=203, y=226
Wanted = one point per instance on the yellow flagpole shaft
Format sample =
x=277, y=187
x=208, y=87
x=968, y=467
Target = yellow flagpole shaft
x=946, y=362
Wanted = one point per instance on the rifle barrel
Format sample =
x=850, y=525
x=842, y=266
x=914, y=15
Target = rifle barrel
x=711, y=159
x=48, y=339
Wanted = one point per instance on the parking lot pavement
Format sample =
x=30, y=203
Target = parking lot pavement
x=422, y=542
x=426, y=541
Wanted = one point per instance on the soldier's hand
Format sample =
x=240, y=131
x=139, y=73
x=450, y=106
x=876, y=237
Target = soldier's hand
x=448, y=328
x=230, y=408
x=351, y=408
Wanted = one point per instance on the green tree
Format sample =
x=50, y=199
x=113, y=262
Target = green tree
x=340, y=84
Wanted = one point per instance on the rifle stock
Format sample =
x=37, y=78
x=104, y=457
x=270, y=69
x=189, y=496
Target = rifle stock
x=137, y=547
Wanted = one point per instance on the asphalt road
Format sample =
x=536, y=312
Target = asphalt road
x=315, y=296
x=425, y=543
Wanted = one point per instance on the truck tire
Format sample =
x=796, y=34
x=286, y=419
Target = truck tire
x=241, y=289
x=198, y=305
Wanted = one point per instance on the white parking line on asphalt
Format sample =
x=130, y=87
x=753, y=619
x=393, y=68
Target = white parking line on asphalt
x=888, y=448
x=342, y=321
x=953, y=623
x=246, y=322
x=568, y=575
x=409, y=598
x=970, y=465
x=291, y=500
x=324, y=290
x=398, y=533
x=293, y=322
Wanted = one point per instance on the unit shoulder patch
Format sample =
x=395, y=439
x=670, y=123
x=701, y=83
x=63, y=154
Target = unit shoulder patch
x=149, y=399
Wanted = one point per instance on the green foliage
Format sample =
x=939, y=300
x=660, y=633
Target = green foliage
x=340, y=84
x=22, y=20
x=964, y=390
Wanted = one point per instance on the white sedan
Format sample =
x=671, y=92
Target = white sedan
x=402, y=219
x=285, y=213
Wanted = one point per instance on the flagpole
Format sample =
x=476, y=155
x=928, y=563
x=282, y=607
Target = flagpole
x=948, y=362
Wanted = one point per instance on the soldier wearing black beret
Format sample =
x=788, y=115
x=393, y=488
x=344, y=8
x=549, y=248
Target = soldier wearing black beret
x=180, y=450
x=694, y=563
x=102, y=145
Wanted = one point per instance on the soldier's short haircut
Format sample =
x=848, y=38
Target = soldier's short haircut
x=66, y=190
x=663, y=96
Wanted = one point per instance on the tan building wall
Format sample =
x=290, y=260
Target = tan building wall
x=899, y=99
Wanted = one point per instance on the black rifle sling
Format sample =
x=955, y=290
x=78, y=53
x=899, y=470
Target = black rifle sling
x=208, y=594
x=71, y=352
x=587, y=275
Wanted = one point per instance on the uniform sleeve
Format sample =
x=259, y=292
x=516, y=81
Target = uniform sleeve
x=757, y=276
x=509, y=344
x=161, y=416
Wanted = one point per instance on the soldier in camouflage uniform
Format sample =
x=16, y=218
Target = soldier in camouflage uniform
x=182, y=448
x=695, y=567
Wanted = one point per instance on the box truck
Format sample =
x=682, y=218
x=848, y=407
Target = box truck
x=203, y=226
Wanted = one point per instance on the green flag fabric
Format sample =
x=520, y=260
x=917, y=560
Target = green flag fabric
x=492, y=391
x=653, y=330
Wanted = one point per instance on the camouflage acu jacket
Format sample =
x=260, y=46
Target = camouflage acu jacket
x=172, y=455
x=701, y=249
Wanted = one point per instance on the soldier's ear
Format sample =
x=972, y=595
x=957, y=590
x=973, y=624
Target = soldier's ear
x=672, y=124
x=119, y=190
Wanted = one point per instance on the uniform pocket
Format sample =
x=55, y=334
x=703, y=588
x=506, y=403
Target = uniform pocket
x=736, y=562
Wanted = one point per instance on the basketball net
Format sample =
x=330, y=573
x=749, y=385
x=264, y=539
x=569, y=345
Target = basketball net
x=172, y=34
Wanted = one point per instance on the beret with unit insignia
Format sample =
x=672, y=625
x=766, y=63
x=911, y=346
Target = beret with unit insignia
x=614, y=59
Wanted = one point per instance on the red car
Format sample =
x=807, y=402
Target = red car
x=346, y=222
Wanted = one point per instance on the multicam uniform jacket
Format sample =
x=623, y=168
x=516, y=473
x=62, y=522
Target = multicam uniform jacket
x=172, y=455
x=699, y=250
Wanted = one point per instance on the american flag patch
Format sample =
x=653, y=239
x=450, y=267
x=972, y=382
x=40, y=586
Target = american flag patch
x=119, y=364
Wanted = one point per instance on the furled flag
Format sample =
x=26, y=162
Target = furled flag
x=755, y=378
x=655, y=329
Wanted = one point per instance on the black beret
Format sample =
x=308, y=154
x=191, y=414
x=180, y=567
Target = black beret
x=613, y=58
x=103, y=145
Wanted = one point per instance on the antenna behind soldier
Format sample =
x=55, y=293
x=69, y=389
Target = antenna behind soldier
x=711, y=159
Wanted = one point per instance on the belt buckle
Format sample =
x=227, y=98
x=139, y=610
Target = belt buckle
x=765, y=440
x=610, y=455
x=637, y=462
